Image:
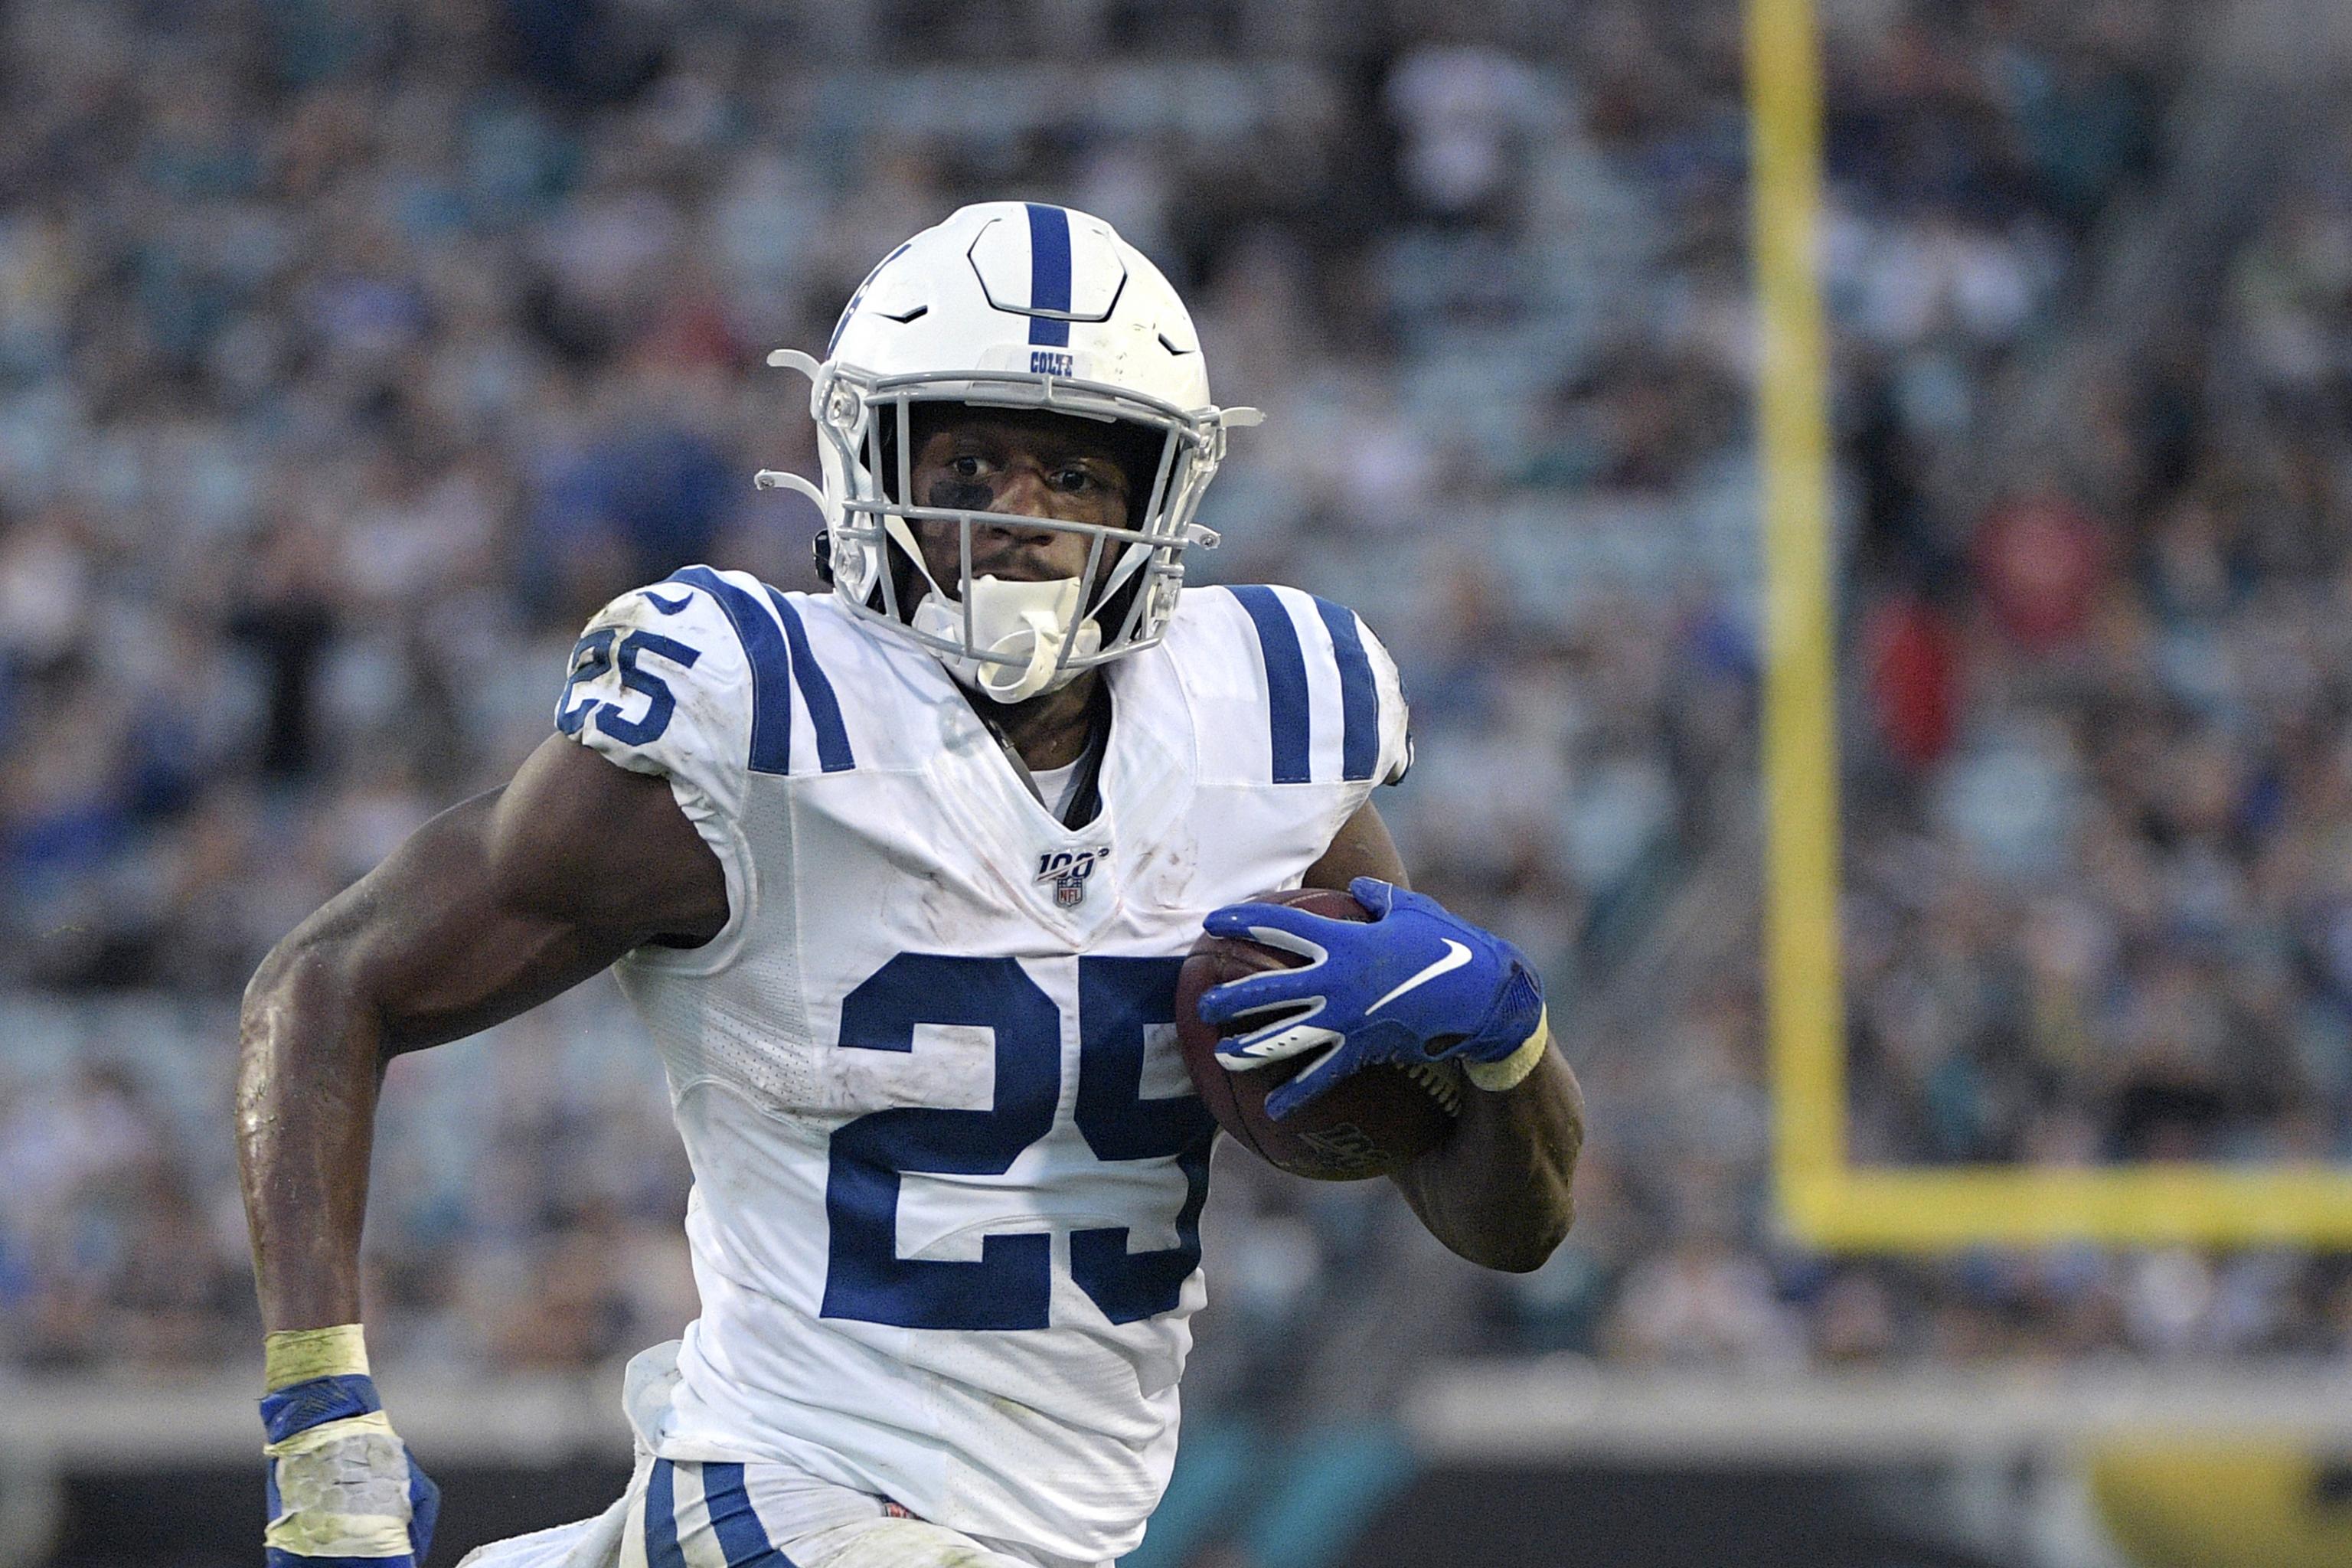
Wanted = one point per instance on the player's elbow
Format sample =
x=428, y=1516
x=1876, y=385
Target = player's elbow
x=1513, y=1237
x=268, y=984
x=307, y=974
x=1528, y=1246
x=296, y=962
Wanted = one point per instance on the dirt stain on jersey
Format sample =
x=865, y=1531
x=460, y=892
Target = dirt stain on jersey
x=910, y=1543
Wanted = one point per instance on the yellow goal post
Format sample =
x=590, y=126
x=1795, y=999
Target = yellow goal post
x=1824, y=1199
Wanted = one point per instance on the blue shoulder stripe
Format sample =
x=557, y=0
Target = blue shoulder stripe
x=833, y=753
x=662, y=1549
x=742, y=1537
x=1359, y=695
x=771, y=689
x=1287, y=713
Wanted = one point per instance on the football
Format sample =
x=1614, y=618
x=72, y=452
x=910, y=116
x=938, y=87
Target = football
x=1366, y=1125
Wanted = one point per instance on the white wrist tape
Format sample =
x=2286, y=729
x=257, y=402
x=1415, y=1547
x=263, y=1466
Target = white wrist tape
x=1512, y=1070
x=342, y=1485
x=342, y=1490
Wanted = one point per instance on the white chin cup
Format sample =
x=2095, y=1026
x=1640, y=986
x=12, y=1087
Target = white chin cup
x=1016, y=621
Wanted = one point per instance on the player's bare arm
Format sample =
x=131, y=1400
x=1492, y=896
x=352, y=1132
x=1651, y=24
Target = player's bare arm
x=491, y=908
x=1500, y=1190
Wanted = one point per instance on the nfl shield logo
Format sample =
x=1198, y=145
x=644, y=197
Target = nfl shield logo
x=1068, y=871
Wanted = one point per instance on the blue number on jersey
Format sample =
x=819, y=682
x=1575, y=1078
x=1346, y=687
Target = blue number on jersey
x=659, y=703
x=865, y=1278
x=602, y=656
x=1121, y=1000
x=598, y=647
x=1010, y=1285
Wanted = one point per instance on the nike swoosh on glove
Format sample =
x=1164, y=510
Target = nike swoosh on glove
x=344, y=1492
x=1414, y=984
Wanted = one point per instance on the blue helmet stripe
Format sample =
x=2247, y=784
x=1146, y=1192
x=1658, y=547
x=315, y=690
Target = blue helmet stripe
x=1288, y=714
x=1049, y=273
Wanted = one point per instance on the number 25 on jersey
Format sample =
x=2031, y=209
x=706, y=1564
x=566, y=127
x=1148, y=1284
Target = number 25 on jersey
x=1010, y=1286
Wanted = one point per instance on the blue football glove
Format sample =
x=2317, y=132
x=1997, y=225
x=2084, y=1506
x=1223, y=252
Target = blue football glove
x=344, y=1492
x=1415, y=983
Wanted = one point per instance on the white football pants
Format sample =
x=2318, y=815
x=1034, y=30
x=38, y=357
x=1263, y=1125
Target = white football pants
x=685, y=1513
x=690, y=1515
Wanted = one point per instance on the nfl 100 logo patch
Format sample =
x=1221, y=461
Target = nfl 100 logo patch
x=1068, y=871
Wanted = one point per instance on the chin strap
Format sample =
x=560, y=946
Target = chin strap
x=1017, y=621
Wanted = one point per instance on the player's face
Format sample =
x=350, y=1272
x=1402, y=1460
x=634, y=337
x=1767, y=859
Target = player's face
x=1034, y=463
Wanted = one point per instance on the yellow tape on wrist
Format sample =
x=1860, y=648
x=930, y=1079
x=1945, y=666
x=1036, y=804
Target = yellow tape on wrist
x=1513, y=1069
x=298, y=1356
x=339, y=1535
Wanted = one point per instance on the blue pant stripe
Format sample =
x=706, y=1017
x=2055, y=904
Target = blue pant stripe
x=742, y=1537
x=771, y=687
x=1288, y=714
x=662, y=1549
x=1049, y=273
x=1360, y=696
x=833, y=753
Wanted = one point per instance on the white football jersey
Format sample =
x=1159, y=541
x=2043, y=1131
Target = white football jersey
x=949, y=1168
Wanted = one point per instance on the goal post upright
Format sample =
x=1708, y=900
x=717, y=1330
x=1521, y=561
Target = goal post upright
x=1823, y=1199
x=1805, y=1010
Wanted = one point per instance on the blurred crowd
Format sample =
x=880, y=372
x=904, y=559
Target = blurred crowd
x=351, y=355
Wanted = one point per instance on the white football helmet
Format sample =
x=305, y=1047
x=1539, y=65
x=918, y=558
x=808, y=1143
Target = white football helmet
x=1011, y=305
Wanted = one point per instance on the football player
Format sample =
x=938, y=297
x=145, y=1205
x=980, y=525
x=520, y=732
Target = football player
x=899, y=879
